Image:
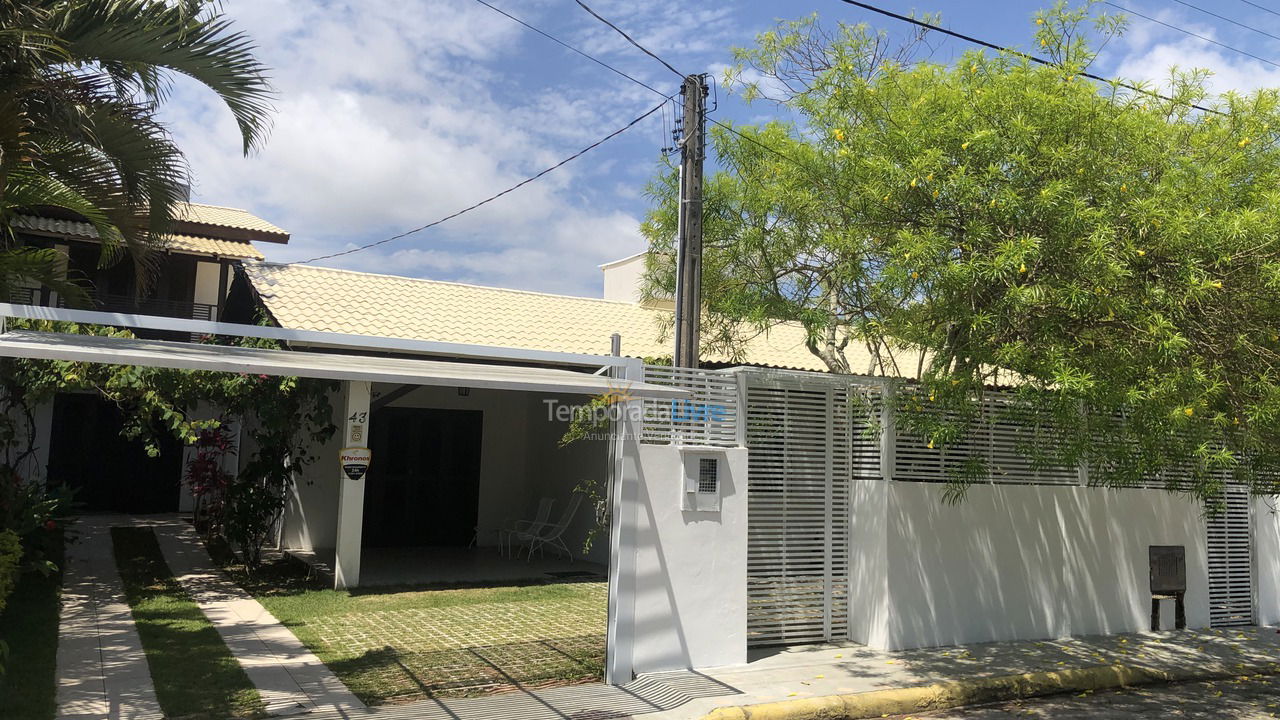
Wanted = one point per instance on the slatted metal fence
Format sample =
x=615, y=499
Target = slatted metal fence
x=806, y=438
x=1231, y=561
x=709, y=417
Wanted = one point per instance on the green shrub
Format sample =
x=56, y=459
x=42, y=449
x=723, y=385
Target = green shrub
x=10, y=558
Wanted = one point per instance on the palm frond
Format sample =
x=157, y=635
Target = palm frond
x=139, y=33
x=23, y=267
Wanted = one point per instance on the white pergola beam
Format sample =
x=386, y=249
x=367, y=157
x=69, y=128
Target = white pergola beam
x=329, y=366
x=310, y=338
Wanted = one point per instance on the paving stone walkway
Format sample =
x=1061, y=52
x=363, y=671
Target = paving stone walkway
x=102, y=670
x=290, y=677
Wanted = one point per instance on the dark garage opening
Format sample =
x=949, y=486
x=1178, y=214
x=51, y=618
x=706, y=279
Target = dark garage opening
x=110, y=473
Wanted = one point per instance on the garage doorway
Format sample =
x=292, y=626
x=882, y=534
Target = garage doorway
x=110, y=473
x=423, y=487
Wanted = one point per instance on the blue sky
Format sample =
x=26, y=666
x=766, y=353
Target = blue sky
x=391, y=114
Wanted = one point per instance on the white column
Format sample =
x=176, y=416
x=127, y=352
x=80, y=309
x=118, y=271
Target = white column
x=355, y=422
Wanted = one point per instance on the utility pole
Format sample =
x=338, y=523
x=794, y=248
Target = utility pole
x=689, y=241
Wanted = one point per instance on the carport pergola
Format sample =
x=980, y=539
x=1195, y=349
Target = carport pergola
x=356, y=361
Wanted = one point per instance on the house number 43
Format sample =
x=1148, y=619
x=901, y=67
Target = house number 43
x=355, y=425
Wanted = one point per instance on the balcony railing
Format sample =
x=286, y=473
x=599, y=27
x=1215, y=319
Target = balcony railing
x=133, y=306
x=126, y=305
x=154, y=306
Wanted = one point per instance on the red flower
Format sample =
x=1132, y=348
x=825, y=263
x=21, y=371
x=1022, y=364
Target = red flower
x=50, y=525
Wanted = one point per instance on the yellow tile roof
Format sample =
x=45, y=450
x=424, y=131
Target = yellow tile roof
x=306, y=297
x=212, y=246
x=184, y=243
x=226, y=217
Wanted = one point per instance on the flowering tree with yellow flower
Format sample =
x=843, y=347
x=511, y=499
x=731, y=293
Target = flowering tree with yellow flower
x=1110, y=250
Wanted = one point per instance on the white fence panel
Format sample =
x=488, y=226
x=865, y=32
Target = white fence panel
x=1231, y=561
x=710, y=417
x=1000, y=437
x=805, y=439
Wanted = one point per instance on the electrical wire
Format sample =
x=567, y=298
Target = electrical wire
x=1227, y=19
x=567, y=46
x=1027, y=56
x=1184, y=31
x=643, y=49
x=495, y=196
x=1260, y=7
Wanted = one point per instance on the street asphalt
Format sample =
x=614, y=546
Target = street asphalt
x=1246, y=698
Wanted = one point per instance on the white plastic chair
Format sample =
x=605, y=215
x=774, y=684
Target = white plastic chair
x=539, y=521
x=553, y=535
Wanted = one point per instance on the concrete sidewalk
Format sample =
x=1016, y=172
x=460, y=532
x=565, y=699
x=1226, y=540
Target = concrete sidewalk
x=818, y=671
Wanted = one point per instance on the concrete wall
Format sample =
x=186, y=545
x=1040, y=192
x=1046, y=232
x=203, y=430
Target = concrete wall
x=683, y=587
x=868, y=563
x=1018, y=562
x=1266, y=535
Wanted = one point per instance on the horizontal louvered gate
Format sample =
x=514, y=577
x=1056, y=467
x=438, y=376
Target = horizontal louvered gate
x=805, y=438
x=1231, y=561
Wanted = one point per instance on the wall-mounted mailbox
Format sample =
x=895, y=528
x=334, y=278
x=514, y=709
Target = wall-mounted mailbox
x=702, y=481
x=1168, y=583
x=1168, y=569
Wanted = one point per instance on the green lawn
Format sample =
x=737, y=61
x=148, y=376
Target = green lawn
x=30, y=627
x=401, y=644
x=194, y=673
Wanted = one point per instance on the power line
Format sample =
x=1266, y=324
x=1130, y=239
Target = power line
x=493, y=197
x=1192, y=34
x=1018, y=53
x=1260, y=7
x=567, y=46
x=643, y=49
x=1227, y=19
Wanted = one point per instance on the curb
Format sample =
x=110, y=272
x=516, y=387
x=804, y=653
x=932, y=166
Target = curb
x=941, y=696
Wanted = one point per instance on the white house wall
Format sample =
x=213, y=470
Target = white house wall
x=35, y=468
x=555, y=472
x=310, y=519
x=1016, y=562
x=208, y=283
x=1266, y=536
x=503, y=448
x=520, y=463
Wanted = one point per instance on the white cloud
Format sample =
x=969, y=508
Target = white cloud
x=393, y=114
x=1148, y=52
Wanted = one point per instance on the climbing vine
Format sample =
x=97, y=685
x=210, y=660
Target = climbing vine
x=282, y=419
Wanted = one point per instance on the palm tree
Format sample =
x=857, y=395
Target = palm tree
x=80, y=83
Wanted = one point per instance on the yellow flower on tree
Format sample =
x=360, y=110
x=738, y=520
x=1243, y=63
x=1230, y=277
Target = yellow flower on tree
x=838, y=134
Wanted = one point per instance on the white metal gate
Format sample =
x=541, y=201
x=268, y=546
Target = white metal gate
x=805, y=437
x=1231, y=561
